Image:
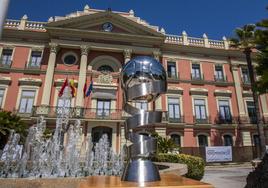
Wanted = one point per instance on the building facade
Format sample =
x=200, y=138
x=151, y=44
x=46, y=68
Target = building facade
x=208, y=103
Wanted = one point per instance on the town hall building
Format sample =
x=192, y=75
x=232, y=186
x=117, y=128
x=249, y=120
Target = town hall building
x=208, y=103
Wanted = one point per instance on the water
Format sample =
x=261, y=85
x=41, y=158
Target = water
x=62, y=155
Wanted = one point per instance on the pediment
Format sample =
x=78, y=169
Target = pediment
x=94, y=22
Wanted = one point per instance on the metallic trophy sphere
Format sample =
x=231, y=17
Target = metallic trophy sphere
x=143, y=80
x=144, y=69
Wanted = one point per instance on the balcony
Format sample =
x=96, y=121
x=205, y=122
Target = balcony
x=173, y=78
x=197, y=79
x=226, y=120
x=83, y=113
x=205, y=120
x=32, y=66
x=5, y=63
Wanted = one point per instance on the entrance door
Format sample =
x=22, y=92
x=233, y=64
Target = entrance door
x=97, y=133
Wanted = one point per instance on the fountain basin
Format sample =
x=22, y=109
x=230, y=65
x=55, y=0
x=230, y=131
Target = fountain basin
x=74, y=182
x=167, y=180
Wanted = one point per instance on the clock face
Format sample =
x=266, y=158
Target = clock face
x=108, y=27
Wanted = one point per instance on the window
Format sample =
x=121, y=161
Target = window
x=202, y=140
x=103, y=107
x=176, y=139
x=69, y=58
x=200, y=110
x=219, y=76
x=251, y=112
x=174, y=109
x=2, y=92
x=35, y=61
x=26, y=101
x=224, y=111
x=228, y=140
x=105, y=68
x=171, y=69
x=6, y=57
x=141, y=105
x=196, y=72
x=245, y=75
x=256, y=140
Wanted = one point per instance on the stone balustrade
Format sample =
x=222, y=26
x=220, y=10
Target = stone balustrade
x=170, y=39
x=12, y=23
x=35, y=25
x=193, y=41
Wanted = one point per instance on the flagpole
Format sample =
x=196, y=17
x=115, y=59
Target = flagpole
x=3, y=12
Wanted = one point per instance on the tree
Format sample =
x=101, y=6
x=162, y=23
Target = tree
x=165, y=145
x=262, y=58
x=245, y=41
x=9, y=121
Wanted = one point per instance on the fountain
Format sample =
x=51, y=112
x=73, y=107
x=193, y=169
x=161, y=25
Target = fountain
x=63, y=161
x=44, y=158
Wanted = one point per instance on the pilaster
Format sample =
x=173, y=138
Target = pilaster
x=82, y=76
x=238, y=89
x=49, y=74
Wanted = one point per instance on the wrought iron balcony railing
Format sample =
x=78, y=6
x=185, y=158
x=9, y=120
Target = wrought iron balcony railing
x=197, y=77
x=202, y=120
x=226, y=120
x=5, y=63
x=84, y=113
x=220, y=78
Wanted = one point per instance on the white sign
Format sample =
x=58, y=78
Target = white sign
x=219, y=154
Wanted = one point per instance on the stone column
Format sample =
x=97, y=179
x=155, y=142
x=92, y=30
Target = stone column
x=127, y=55
x=82, y=76
x=49, y=74
x=238, y=90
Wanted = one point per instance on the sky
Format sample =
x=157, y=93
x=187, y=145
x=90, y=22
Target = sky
x=216, y=18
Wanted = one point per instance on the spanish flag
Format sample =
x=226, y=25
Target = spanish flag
x=65, y=84
x=73, y=89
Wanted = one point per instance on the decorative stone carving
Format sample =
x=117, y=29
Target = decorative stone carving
x=30, y=81
x=127, y=53
x=53, y=47
x=84, y=49
x=105, y=79
x=157, y=55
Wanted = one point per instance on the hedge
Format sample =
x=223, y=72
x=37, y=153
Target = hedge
x=196, y=165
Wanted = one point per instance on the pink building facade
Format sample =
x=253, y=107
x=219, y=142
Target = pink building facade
x=209, y=100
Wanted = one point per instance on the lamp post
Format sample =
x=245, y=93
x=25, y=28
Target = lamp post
x=3, y=11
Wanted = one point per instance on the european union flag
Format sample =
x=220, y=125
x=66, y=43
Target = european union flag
x=90, y=88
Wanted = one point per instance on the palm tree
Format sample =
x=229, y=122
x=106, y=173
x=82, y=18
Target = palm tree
x=245, y=40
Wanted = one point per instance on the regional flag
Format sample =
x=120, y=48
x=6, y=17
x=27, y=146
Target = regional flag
x=90, y=88
x=73, y=89
x=63, y=87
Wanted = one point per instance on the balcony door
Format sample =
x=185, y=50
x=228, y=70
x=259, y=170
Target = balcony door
x=63, y=105
x=224, y=111
x=200, y=110
x=103, y=107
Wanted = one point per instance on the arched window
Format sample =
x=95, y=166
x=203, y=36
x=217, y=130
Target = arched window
x=176, y=139
x=105, y=68
x=202, y=140
x=228, y=140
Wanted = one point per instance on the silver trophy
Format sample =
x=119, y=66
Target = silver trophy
x=143, y=80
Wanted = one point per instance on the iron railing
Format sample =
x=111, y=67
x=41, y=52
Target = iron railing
x=220, y=78
x=203, y=120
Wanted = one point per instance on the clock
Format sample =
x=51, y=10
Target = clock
x=108, y=27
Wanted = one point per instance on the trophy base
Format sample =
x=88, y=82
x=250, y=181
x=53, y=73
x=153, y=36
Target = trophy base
x=140, y=171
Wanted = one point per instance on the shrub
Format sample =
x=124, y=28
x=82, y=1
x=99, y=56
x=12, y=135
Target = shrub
x=196, y=165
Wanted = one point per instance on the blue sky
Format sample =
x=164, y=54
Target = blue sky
x=216, y=18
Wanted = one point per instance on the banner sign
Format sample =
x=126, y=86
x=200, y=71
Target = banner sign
x=219, y=154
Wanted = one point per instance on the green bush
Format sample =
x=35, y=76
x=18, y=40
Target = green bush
x=196, y=165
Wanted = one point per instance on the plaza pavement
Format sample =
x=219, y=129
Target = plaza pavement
x=227, y=176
